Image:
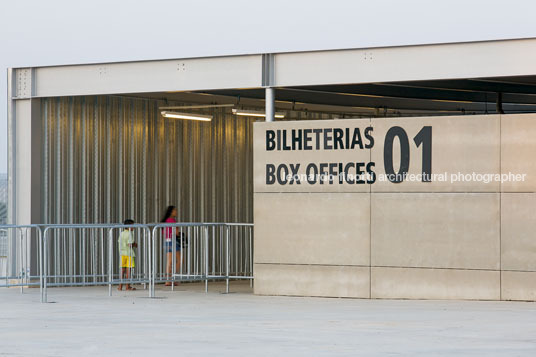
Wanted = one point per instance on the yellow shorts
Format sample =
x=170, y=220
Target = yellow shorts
x=127, y=262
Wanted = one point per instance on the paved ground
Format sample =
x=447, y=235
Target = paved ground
x=85, y=321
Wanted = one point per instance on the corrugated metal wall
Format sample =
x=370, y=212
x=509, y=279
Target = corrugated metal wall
x=111, y=158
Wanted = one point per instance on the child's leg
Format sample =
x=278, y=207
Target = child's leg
x=168, y=266
x=169, y=263
x=122, y=275
x=127, y=270
x=129, y=273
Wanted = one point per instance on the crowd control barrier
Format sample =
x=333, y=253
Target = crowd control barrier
x=62, y=255
x=85, y=255
x=206, y=252
x=18, y=267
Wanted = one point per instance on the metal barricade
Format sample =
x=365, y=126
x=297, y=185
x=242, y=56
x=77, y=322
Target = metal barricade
x=185, y=252
x=58, y=255
x=21, y=263
x=179, y=252
x=84, y=255
x=237, y=249
x=138, y=261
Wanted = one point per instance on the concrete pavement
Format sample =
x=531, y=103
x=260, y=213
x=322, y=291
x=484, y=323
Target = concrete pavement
x=85, y=321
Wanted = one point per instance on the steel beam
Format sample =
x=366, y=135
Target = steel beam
x=168, y=75
x=371, y=65
x=407, y=63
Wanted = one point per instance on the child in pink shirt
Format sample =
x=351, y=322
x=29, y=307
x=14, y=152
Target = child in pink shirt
x=170, y=216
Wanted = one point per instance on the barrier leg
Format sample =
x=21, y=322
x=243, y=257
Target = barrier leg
x=206, y=259
x=40, y=245
x=227, y=260
x=21, y=262
x=152, y=265
x=110, y=262
x=45, y=267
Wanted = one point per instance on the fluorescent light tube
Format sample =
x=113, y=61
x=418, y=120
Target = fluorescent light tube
x=200, y=106
x=254, y=113
x=187, y=116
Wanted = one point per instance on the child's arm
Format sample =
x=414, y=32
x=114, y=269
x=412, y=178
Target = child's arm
x=131, y=242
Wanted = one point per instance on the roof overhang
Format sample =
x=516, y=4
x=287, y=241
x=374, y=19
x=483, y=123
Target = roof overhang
x=504, y=58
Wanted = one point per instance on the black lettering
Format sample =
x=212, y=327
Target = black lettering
x=282, y=173
x=327, y=139
x=347, y=172
x=270, y=140
x=425, y=137
x=307, y=139
x=337, y=139
x=311, y=177
x=270, y=177
x=286, y=146
x=369, y=137
x=294, y=171
x=370, y=173
x=322, y=172
x=399, y=176
x=296, y=139
x=356, y=139
x=278, y=140
x=317, y=133
x=359, y=173
x=332, y=172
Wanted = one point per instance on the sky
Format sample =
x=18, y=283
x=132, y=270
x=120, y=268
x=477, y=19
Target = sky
x=40, y=32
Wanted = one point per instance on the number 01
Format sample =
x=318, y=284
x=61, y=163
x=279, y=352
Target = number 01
x=424, y=137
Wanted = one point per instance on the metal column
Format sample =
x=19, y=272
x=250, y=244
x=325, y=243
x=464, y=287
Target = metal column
x=270, y=104
x=268, y=81
x=25, y=135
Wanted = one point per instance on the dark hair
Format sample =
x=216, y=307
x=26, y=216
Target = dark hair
x=168, y=213
x=128, y=221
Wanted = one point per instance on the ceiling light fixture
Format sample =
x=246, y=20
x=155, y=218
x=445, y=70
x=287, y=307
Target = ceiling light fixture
x=188, y=116
x=254, y=113
x=201, y=106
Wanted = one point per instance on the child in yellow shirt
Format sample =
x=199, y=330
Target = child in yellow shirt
x=127, y=246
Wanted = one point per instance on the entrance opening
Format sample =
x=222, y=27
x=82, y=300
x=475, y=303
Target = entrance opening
x=116, y=157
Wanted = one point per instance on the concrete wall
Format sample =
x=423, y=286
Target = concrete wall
x=416, y=240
